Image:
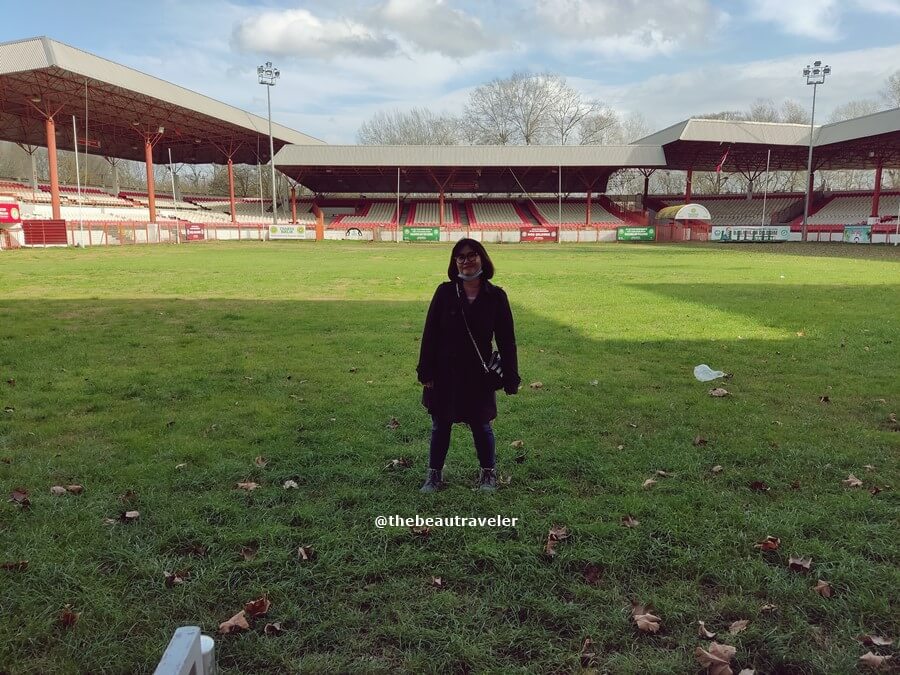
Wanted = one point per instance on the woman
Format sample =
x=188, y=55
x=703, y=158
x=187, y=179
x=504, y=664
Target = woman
x=456, y=388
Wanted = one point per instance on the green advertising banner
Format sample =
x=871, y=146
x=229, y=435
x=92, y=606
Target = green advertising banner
x=421, y=234
x=858, y=234
x=636, y=233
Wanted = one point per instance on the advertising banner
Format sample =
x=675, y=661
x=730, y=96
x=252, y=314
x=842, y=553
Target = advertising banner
x=421, y=234
x=758, y=233
x=194, y=232
x=548, y=233
x=647, y=233
x=287, y=231
x=858, y=234
x=9, y=213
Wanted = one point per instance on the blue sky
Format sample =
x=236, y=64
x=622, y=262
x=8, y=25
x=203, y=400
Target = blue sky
x=342, y=60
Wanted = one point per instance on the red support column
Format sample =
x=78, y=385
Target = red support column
x=54, y=171
x=646, y=192
x=877, y=194
x=587, y=215
x=441, y=209
x=293, y=203
x=687, y=185
x=151, y=188
x=231, y=189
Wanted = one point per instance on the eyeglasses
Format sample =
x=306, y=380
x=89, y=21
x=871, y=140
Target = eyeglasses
x=466, y=257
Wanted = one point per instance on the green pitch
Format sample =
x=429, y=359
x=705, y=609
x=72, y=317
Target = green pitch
x=156, y=376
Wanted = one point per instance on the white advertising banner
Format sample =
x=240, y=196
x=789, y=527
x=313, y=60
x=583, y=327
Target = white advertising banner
x=750, y=233
x=287, y=231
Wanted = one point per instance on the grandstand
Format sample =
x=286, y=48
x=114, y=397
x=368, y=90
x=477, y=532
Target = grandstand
x=141, y=118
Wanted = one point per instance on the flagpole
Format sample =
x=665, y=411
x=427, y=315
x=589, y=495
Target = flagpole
x=766, y=188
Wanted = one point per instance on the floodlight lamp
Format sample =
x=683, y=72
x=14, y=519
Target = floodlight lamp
x=135, y=123
x=161, y=129
x=36, y=98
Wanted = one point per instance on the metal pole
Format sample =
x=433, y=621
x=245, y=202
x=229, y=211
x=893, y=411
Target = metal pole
x=397, y=226
x=174, y=199
x=559, y=204
x=262, y=211
x=766, y=187
x=78, y=183
x=271, y=154
x=812, y=120
x=897, y=233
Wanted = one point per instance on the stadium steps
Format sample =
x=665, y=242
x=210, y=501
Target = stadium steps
x=525, y=210
x=464, y=216
x=404, y=213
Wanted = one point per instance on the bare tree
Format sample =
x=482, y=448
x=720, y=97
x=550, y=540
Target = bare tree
x=418, y=126
x=794, y=113
x=569, y=113
x=890, y=94
x=488, y=114
x=764, y=110
x=852, y=109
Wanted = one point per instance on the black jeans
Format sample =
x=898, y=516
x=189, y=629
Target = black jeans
x=482, y=434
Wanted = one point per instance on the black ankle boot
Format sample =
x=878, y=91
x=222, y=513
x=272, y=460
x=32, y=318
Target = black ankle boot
x=432, y=481
x=487, y=481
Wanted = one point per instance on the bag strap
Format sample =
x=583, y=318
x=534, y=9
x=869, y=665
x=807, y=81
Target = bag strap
x=462, y=309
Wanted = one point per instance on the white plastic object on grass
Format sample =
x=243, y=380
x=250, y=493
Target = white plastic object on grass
x=704, y=373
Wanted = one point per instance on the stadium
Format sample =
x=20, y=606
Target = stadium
x=436, y=193
x=208, y=398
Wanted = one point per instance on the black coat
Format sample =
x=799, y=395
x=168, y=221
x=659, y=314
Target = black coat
x=448, y=358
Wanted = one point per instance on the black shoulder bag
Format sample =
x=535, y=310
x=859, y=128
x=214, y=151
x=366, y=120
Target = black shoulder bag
x=493, y=371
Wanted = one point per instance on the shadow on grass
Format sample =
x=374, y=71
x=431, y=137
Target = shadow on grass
x=116, y=394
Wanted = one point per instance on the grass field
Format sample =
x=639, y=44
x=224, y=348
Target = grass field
x=126, y=363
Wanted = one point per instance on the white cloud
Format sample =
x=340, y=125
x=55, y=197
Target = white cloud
x=298, y=32
x=627, y=29
x=818, y=19
x=808, y=18
x=434, y=26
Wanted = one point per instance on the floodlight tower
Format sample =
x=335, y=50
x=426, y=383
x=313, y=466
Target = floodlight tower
x=267, y=76
x=815, y=75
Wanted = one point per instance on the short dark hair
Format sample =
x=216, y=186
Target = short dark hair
x=487, y=265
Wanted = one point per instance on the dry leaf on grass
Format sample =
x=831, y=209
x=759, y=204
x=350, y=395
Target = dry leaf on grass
x=759, y=486
x=852, y=481
x=874, y=490
x=57, y=490
x=738, y=626
x=716, y=659
x=718, y=468
x=664, y=474
x=702, y=632
x=517, y=444
x=587, y=652
x=768, y=607
x=770, y=543
x=422, y=531
x=437, y=582
x=130, y=516
x=290, y=485
x=536, y=385
x=630, y=521
x=874, y=641
x=649, y=483
x=249, y=486
x=699, y=441
x=67, y=617
x=235, y=624
x=16, y=566
x=591, y=574
x=258, y=607
x=824, y=399
x=398, y=463
x=305, y=553
x=719, y=392
x=868, y=467
x=272, y=629
x=799, y=564
x=876, y=662
x=394, y=423
x=75, y=489
x=556, y=534
x=249, y=551
x=645, y=620
x=261, y=462
x=20, y=496
x=181, y=466
x=824, y=589
x=176, y=578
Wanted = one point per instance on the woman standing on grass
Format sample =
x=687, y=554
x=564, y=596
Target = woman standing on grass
x=465, y=314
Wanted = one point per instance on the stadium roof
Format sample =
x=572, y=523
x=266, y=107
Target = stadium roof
x=459, y=168
x=40, y=76
x=859, y=143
